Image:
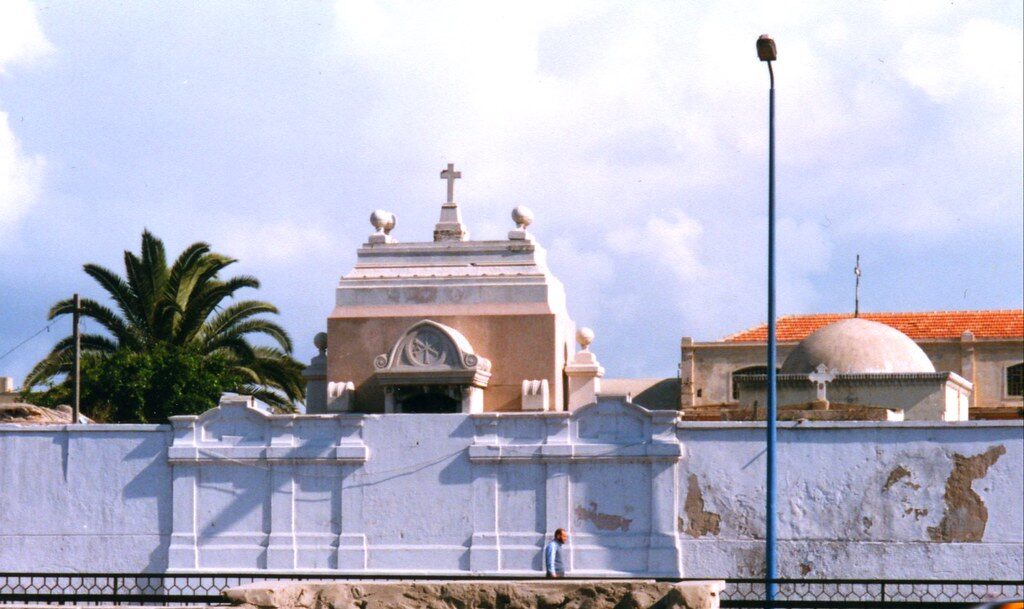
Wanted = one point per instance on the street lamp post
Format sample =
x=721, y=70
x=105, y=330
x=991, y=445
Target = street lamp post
x=766, y=53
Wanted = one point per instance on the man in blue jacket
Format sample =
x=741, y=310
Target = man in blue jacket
x=553, y=566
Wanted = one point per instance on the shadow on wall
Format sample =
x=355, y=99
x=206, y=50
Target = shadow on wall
x=153, y=482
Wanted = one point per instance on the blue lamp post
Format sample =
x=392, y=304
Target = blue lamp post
x=766, y=53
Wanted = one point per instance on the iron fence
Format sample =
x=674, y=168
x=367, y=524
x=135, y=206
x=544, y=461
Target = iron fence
x=851, y=593
x=206, y=588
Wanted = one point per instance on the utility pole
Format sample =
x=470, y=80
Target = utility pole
x=76, y=400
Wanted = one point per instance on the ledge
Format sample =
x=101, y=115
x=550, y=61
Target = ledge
x=650, y=451
x=84, y=427
x=847, y=424
x=357, y=454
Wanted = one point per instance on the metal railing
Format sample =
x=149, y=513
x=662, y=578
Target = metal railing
x=206, y=588
x=852, y=593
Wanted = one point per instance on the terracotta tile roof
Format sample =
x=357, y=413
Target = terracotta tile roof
x=924, y=325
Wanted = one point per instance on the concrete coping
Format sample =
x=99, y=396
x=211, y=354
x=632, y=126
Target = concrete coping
x=803, y=424
x=875, y=377
x=86, y=427
x=123, y=427
x=463, y=248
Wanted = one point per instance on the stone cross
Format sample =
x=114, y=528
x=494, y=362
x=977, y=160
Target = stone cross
x=449, y=227
x=822, y=376
x=451, y=175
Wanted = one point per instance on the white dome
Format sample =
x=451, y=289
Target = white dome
x=854, y=346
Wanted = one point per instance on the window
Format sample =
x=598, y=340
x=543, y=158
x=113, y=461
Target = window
x=747, y=370
x=1015, y=380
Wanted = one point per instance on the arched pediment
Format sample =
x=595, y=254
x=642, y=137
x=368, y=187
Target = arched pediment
x=611, y=420
x=432, y=353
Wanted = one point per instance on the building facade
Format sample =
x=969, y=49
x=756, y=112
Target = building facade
x=985, y=348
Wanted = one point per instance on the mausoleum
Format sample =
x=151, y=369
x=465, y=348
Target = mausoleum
x=451, y=325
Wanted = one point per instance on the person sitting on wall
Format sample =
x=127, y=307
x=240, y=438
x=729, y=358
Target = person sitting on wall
x=553, y=566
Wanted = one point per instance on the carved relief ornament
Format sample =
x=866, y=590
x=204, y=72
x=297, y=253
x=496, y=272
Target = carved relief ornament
x=429, y=353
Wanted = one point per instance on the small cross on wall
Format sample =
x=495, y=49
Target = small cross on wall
x=821, y=377
x=451, y=175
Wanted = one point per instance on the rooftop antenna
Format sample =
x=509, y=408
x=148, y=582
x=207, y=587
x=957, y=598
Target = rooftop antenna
x=856, y=289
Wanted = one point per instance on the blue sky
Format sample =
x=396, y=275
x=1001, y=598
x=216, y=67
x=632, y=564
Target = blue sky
x=635, y=131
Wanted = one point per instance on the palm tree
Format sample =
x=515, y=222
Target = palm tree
x=181, y=306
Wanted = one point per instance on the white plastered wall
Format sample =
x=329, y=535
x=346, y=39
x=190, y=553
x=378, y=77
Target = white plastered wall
x=639, y=493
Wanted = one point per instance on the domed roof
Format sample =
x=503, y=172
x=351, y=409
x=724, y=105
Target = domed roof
x=856, y=345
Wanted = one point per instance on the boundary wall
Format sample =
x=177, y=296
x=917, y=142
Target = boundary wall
x=639, y=492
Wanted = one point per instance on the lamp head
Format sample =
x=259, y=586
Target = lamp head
x=766, y=48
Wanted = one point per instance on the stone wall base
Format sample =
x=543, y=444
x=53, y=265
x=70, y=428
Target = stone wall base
x=478, y=594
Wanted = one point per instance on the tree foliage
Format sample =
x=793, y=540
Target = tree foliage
x=146, y=387
x=172, y=344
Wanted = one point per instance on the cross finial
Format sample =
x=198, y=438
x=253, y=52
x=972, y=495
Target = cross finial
x=821, y=377
x=451, y=175
x=856, y=289
x=450, y=227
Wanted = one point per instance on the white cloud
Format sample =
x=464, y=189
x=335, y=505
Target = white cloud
x=669, y=240
x=983, y=55
x=21, y=41
x=21, y=38
x=20, y=179
x=275, y=243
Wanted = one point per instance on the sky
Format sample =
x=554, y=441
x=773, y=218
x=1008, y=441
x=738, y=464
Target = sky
x=635, y=131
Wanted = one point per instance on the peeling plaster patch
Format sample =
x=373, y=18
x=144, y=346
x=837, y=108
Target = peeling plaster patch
x=700, y=522
x=917, y=512
x=965, y=516
x=805, y=568
x=897, y=474
x=867, y=523
x=604, y=522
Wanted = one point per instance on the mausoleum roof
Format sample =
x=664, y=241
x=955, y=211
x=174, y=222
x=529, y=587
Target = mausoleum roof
x=918, y=325
x=858, y=346
x=451, y=274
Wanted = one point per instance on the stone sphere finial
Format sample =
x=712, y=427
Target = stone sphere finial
x=522, y=216
x=585, y=336
x=382, y=220
x=320, y=342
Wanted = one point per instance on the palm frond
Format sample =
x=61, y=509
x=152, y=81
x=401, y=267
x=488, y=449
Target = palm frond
x=147, y=274
x=236, y=348
x=246, y=373
x=278, y=403
x=124, y=333
x=61, y=358
x=205, y=301
x=119, y=289
x=280, y=371
x=181, y=282
x=234, y=314
x=244, y=328
x=47, y=368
